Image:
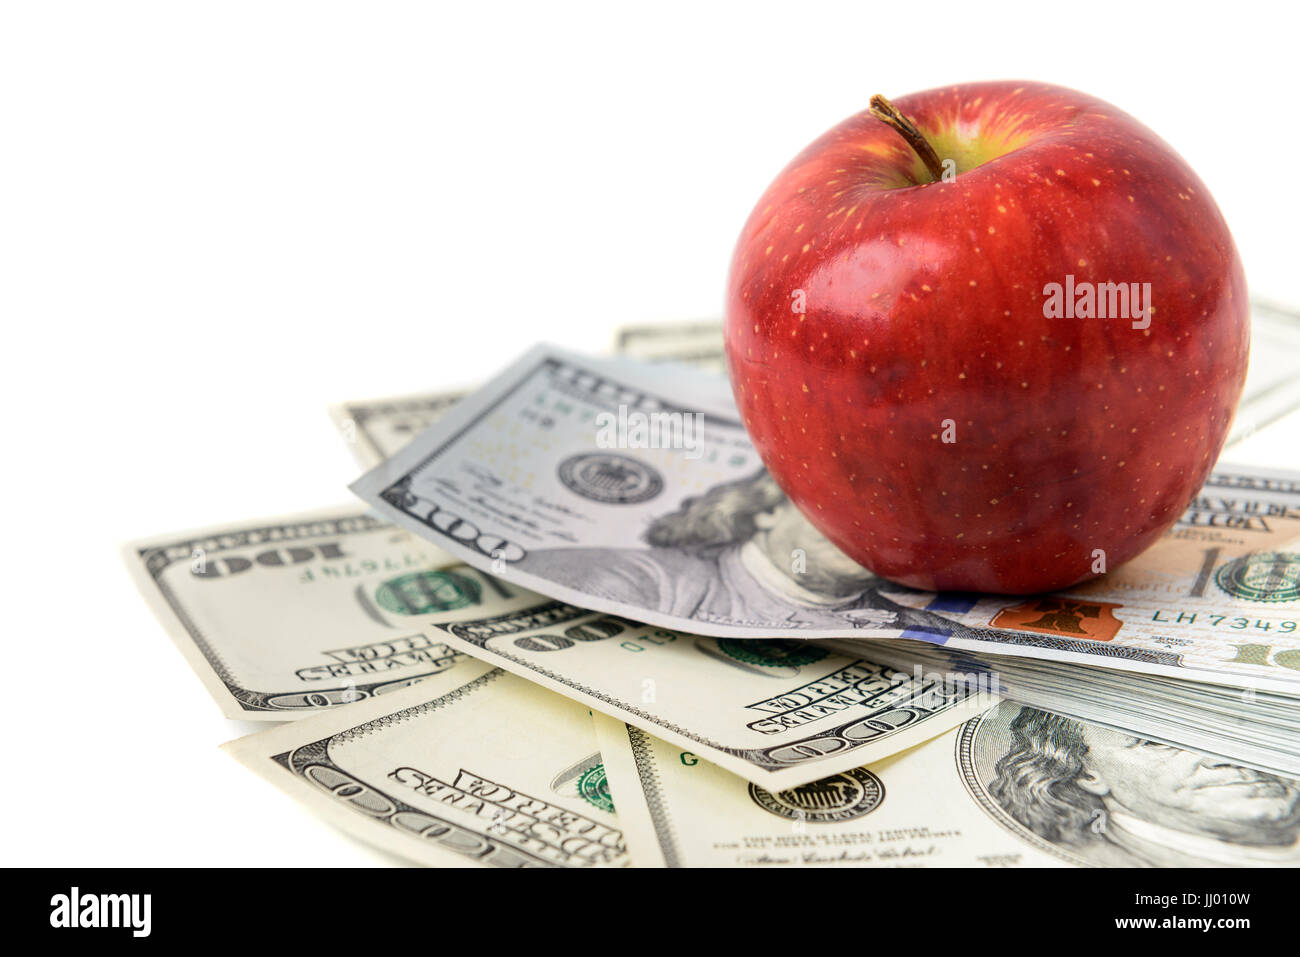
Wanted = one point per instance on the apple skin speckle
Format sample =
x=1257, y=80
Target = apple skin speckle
x=914, y=326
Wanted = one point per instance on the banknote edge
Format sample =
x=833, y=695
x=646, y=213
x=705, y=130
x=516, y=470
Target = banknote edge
x=204, y=659
x=729, y=758
x=266, y=753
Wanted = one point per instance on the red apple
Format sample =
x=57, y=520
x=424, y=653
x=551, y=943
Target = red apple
x=903, y=355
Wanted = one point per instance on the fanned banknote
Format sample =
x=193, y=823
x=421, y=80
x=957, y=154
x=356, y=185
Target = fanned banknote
x=1244, y=726
x=633, y=491
x=1015, y=787
x=283, y=616
x=780, y=713
x=473, y=766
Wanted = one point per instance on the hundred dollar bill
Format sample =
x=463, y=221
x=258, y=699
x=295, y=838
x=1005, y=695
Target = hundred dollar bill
x=472, y=766
x=1216, y=599
x=288, y=615
x=1015, y=787
x=777, y=712
x=634, y=490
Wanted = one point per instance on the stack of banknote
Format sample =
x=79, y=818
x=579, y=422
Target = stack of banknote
x=557, y=632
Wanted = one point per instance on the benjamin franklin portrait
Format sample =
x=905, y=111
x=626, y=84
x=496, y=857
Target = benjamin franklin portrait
x=740, y=553
x=1104, y=797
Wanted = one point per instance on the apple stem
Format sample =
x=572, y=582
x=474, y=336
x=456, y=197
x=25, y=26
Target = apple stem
x=887, y=113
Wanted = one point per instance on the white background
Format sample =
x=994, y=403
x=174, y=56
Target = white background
x=217, y=217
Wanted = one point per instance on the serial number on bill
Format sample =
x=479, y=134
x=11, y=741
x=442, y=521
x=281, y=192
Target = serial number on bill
x=1235, y=622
